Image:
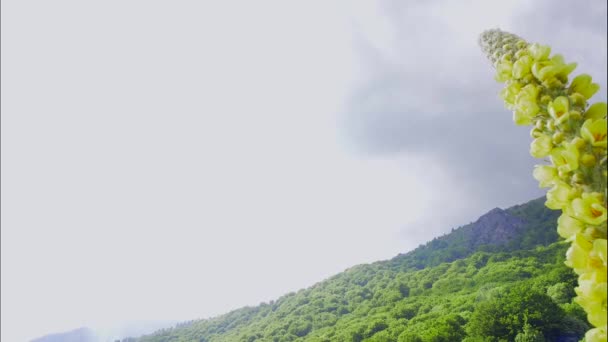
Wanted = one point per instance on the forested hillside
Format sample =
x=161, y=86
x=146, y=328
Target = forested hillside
x=501, y=278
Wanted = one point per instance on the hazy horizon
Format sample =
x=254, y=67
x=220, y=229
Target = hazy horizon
x=177, y=161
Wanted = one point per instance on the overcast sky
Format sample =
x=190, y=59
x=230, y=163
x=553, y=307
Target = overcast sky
x=176, y=160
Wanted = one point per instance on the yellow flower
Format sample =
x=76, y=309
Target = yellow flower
x=504, y=71
x=595, y=274
x=596, y=266
x=545, y=175
x=597, y=111
x=567, y=226
x=565, y=70
x=594, y=131
x=522, y=66
x=529, y=92
x=582, y=84
x=555, y=68
x=559, y=195
x=600, y=247
x=596, y=335
x=577, y=256
x=589, y=208
x=591, y=296
x=541, y=146
x=510, y=92
x=558, y=109
x=526, y=105
x=539, y=52
x=597, y=316
x=565, y=158
x=521, y=118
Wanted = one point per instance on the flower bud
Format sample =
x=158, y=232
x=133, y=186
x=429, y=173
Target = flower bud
x=507, y=57
x=545, y=99
x=558, y=137
x=553, y=83
x=578, y=100
x=578, y=142
x=535, y=133
x=588, y=160
x=551, y=125
x=521, y=44
x=496, y=55
x=575, y=115
x=578, y=178
x=527, y=79
x=519, y=54
x=563, y=172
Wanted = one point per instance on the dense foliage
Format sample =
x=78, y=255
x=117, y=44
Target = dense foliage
x=448, y=290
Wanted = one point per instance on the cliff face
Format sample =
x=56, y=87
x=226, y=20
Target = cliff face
x=496, y=227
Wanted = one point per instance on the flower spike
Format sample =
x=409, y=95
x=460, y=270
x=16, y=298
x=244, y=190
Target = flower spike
x=573, y=133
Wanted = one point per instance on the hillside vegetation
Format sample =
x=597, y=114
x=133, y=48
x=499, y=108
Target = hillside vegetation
x=501, y=278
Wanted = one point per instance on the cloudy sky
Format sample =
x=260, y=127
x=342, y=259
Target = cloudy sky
x=176, y=160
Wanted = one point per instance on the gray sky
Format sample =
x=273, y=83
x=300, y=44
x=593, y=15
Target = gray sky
x=178, y=160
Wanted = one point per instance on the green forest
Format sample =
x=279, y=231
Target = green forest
x=500, y=278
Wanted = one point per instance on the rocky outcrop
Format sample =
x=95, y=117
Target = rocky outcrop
x=496, y=227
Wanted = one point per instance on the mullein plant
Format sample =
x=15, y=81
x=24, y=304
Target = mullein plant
x=570, y=134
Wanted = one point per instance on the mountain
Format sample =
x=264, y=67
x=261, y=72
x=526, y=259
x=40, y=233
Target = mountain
x=520, y=227
x=77, y=335
x=500, y=278
x=85, y=334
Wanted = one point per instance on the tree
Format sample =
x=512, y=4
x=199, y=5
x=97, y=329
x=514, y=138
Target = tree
x=561, y=293
x=506, y=316
x=407, y=336
x=529, y=335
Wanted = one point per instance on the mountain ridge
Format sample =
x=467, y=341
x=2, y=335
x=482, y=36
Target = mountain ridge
x=432, y=293
x=435, y=292
x=83, y=334
x=107, y=334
